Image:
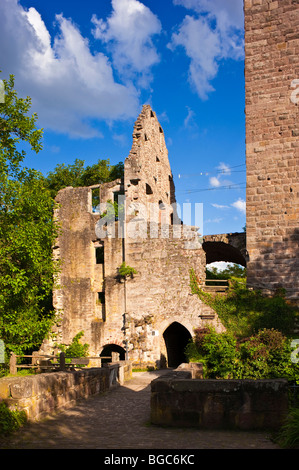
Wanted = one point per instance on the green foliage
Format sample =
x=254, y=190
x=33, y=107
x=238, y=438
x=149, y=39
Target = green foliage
x=114, y=210
x=75, y=349
x=257, y=342
x=288, y=436
x=244, y=312
x=27, y=232
x=217, y=352
x=15, y=128
x=27, y=228
x=126, y=271
x=234, y=270
x=266, y=354
x=77, y=175
x=10, y=421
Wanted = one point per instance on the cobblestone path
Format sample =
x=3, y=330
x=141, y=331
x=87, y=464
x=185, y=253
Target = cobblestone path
x=119, y=419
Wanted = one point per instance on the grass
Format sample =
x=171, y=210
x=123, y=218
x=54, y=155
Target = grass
x=288, y=436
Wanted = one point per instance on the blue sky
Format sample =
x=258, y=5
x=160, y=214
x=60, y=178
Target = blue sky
x=90, y=66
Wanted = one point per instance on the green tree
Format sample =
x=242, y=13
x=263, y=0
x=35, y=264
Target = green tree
x=233, y=270
x=16, y=127
x=77, y=174
x=27, y=231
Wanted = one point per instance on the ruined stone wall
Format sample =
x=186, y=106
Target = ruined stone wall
x=272, y=146
x=77, y=301
x=148, y=176
x=92, y=297
x=160, y=294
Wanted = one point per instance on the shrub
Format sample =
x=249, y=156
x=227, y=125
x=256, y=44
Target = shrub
x=126, y=271
x=288, y=436
x=217, y=352
x=266, y=354
x=75, y=349
x=10, y=420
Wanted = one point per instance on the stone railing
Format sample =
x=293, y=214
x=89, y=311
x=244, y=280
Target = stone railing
x=44, y=394
x=179, y=400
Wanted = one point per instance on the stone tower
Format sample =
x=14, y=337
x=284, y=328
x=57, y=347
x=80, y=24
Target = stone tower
x=272, y=145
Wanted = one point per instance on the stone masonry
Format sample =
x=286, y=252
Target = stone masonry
x=150, y=317
x=272, y=145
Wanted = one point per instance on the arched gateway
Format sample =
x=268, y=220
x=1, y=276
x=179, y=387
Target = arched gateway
x=176, y=337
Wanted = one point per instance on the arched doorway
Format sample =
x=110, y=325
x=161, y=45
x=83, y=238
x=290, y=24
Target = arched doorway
x=113, y=348
x=176, y=337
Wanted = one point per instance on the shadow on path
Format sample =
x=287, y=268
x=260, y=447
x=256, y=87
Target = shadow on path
x=120, y=419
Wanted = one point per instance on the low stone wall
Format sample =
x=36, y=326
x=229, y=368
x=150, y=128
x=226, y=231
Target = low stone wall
x=178, y=400
x=44, y=394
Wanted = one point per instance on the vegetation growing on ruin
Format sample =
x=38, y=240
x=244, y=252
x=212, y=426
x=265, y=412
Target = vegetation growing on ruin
x=126, y=271
x=243, y=311
x=258, y=339
x=113, y=210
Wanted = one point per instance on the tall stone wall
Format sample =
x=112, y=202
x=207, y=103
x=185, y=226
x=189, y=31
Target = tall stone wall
x=272, y=144
x=92, y=297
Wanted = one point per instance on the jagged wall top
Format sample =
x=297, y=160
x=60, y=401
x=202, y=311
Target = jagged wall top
x=148, y=176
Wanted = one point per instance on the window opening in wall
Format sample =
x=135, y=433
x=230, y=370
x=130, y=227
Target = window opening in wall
x=99, y=254
x=148, y=189
x=155, y=179
x=95, y=199
x=145, y=137
x=161, y=205
x=157, y=159
x=101, y=302
x=152, y=114
x=160, y=129
x=101, y=298
x=116, y=194
x=134, y=182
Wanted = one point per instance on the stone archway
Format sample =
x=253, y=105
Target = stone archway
x=176, y=337
x=229, y=247
x=108, y=349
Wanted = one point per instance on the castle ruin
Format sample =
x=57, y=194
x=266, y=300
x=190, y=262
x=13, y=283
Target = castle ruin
x=150, y=316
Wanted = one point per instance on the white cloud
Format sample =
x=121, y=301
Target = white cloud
x=69, y=85
x=217, y=181
x=240, y=204
x=213, y=221
x=189, y=120
x=214, y=32
x=224, y=169
x=214, y=182
x=128, y=32
x=220, y=265
x=220, y=206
